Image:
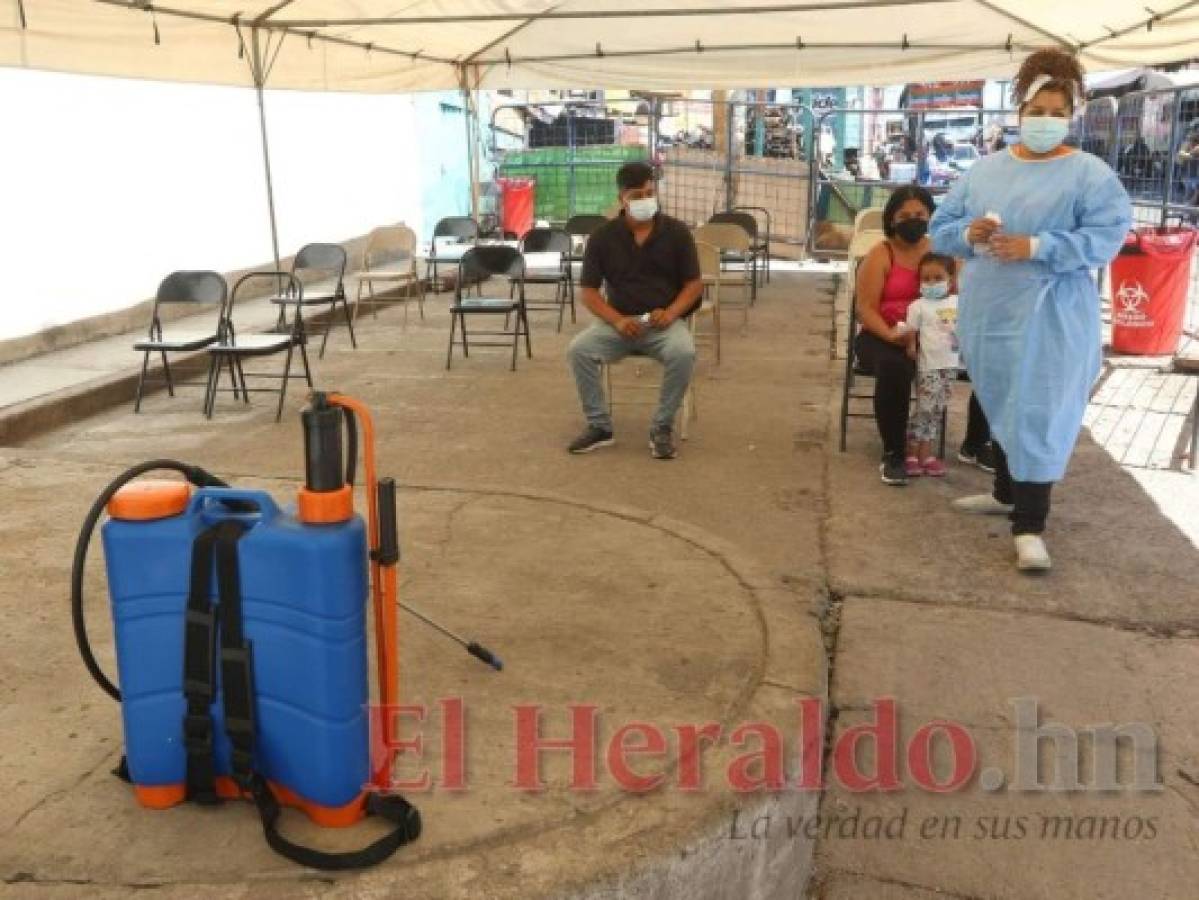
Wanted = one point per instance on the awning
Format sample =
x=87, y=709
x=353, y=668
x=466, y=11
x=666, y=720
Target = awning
x=385, y=45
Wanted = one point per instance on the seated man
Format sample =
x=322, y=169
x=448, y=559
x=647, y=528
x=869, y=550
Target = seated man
x=649, y=263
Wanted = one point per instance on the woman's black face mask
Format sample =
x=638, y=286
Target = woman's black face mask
x=912, y=230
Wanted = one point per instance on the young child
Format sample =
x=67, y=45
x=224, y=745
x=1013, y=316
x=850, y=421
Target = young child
x=931, y=331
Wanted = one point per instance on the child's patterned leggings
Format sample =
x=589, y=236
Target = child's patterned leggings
x=933, y=389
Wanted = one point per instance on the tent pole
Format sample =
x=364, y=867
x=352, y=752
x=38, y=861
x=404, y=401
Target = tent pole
x=471, y=115
x=258, y=70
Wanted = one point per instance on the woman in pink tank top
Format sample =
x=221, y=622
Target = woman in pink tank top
x=887, y=284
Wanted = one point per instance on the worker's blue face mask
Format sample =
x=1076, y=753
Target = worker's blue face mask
x=1042, y=133
x=934, y=290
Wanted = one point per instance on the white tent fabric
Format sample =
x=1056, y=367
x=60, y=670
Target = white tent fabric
x=391, y=45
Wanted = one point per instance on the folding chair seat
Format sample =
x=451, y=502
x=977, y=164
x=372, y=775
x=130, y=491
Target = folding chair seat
x=232, y=348
x=389, y=263
x=547, y=254
x=323, y=259
x=477, y=266
x=197, y=289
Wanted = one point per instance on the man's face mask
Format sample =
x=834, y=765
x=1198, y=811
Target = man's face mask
x=642, y=209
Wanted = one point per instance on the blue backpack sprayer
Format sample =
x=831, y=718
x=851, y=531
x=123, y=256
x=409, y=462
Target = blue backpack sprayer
x=242, y=643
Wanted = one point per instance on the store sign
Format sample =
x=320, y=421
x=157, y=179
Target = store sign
x=938, y=94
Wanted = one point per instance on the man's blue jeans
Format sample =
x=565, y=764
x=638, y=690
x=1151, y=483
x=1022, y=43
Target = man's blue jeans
x=600, y=343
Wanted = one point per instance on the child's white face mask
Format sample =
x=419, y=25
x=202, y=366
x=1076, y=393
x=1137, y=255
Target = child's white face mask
x=934, y=290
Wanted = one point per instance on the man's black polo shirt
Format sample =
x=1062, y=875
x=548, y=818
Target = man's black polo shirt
x=641, y=278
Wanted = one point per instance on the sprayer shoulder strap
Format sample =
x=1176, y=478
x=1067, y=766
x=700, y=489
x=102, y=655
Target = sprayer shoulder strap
x=237, y=684
x=199, y=682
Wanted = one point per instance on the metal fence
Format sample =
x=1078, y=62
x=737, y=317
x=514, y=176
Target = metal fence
x=813, y=172
x=708, y=156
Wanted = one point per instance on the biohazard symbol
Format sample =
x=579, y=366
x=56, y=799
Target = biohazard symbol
x=1132, y=295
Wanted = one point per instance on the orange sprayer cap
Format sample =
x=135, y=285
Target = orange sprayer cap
x=142, y=501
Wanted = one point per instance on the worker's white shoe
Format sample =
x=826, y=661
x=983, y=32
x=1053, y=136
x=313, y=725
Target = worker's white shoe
x=982, y=505
x=1031, y=554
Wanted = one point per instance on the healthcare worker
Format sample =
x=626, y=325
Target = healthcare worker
x=1033, y=222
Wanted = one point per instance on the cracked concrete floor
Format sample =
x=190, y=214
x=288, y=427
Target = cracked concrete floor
x=664, y=592
x=915, y=603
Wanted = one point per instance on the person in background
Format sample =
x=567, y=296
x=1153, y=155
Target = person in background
x=1028, y=321
x=651, y=268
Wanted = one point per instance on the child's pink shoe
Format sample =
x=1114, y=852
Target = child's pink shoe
x=934, y=467
x=913, y=467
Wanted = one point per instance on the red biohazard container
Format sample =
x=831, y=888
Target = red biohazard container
x=517, y=196
x=1150, y=280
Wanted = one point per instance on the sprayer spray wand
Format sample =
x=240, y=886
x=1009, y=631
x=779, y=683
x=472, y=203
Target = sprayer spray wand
x=475, y=649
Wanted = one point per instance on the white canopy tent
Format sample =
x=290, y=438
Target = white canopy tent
x=393, y=46
x=384, y=45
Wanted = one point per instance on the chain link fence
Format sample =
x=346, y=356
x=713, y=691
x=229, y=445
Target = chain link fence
x=709, y=156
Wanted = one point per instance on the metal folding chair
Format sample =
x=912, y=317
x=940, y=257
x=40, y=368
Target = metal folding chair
x=199, y=288
x=324, y=259
x=389, y=262
x=733, y=242
x=749, y=257
x=232, y=348
x=553, y=242
x=478, y=265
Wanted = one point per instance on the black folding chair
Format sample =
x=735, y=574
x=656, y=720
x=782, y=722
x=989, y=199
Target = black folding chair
x=854, y=369
x=462, y=229
x=232, y=347
x=750, y=258
x=179, y=288
x=329, y=260
x=478, y=265
x=583, y=226
x=550, y=240
x=762, y=246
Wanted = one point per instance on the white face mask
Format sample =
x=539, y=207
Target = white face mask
x=643, y=209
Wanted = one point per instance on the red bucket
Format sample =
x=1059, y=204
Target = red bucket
x=1150, y=280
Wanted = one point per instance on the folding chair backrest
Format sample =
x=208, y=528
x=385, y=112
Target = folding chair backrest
x=868, y=220
x=461, y=227
x=286, y=284
x=709, y=259
x=192, y=287
x=760, y=214
x=394, y=243
x=727, y=236
x=584, y=226
x=744, y=219
x=481, y=263
x=321, y=257
x=546, y=240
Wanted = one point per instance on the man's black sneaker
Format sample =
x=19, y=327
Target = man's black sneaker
x=591, y=439
x=983, y=457
x=893, y=470
x=661, y=443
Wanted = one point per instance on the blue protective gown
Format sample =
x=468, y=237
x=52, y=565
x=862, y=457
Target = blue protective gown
x=1030, y=330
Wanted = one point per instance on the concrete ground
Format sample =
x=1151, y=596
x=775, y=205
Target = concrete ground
x=759, y=569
